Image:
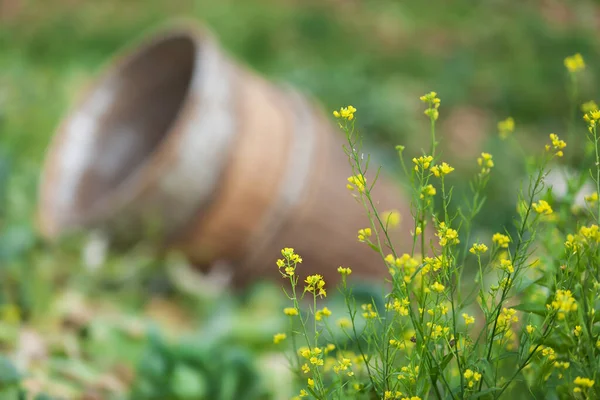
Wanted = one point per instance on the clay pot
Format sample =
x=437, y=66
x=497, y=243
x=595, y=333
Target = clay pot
x=179, y=144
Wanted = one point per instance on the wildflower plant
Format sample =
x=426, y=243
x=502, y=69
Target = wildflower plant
x=466, y=316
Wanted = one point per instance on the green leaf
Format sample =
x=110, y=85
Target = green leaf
x=484, y=392
x=188, y=383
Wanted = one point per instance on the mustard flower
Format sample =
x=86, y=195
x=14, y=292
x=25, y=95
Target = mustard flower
x=325, y=312
x=391, y=218
x=369, y=313
x=574, y=63
x=418, y=231
x=447, y=236
x=557, y=145
x=437, y=287
x=316, y=285
x=542, y=207
x=577, y=331
x=506, y=127
x=435, y=264
x=472, y=377
x=363, y=234
x=501, y=240
x=291, y=311
x=344, y=322
x=485, y=162
x=343, y=365
x=345, y=113
x=311, y=382
x=433, y=103
x=468, y=319
x=507, y=266
x=478, y=248
x=506, y=317
x=592, y=118
x=344, y=271
x=305, y=368
x=422, y=163
x=563, y=303
x=584, y=382
x=589, y=106
x=358, y=182
x=530, y=329
x=592, y=197
x=437, y=331
x=441, y=170
x=427, y=191
x=279, y=337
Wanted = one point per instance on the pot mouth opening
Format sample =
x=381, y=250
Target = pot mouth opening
x=120, y=125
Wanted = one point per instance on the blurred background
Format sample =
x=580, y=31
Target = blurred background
x=146, y=328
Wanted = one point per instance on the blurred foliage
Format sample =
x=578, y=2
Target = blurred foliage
x=486, y=60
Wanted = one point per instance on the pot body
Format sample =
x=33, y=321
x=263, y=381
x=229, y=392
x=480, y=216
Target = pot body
x=179, y=144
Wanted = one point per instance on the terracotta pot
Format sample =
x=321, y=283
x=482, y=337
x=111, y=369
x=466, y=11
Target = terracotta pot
x=179, y=144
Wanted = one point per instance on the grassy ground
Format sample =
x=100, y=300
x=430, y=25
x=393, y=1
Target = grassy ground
x=486, y=61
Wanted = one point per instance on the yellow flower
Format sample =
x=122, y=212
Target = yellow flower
x=563, y=303
x=391, y=218
x=478, y=248
x=345, y=113
x=358, y=182
x=311, y=382
x=501, y=240
x=577, y=331
x=344, y=271
x=291, y=311
x=369, y=313
x=427, y=191
x=422, y=163
x=437, y=287
x=557, y=145
x=530, y=329
x=279, y=337
x=506, y=127
x=589, y=106
x=575, y=63
x=485, y=162
x=506, y=265
x=542, y=207
x=447, y=236
x=584, y=383
x=344, y=322
x=303, y=393
x=468, y=319
x=363, y=234
x=316, y=285
x=441, y=170
x=592, y=118
x=418, y=231
x=325, y=312
x=305, y=368
x=433, y=103
x=592, y=197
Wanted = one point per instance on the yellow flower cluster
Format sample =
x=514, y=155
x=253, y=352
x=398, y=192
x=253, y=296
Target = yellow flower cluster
x=592, y=198
x=441, y=170
x=549, y=353
x=592, y=118
x=501, y=240
x=316, y=285
x=447, y=236
x=575, y=63
x=433, y=103
x=291, y=311
x=400, y=306
x=472, y=377
x=391, y=218
x=427, y=191
x=530, y=329
x=589, y=106
x=279, y=337
x=437, y=331
x=343, y=365
x=369, y=313
x=389, y=395
x=542, y=207
x=422, y=163
x=405, y=263
x=506, y=265
x=557, y=145
x=563, y=302
x=437, y=287
x=345, y=113
x=435, y=264
x=478, y=248
x=358, y=182
x=468, y=319
x=344, y=322
x=289, y=262
x=486, y=163
x=363, y=234
x=587, y=235
x=506, y=127
x=506, y=317
x=582, y=384
x=409, y=373
x=314, y=356
x=577, y=331
x=344, y=271
x=325, y=312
